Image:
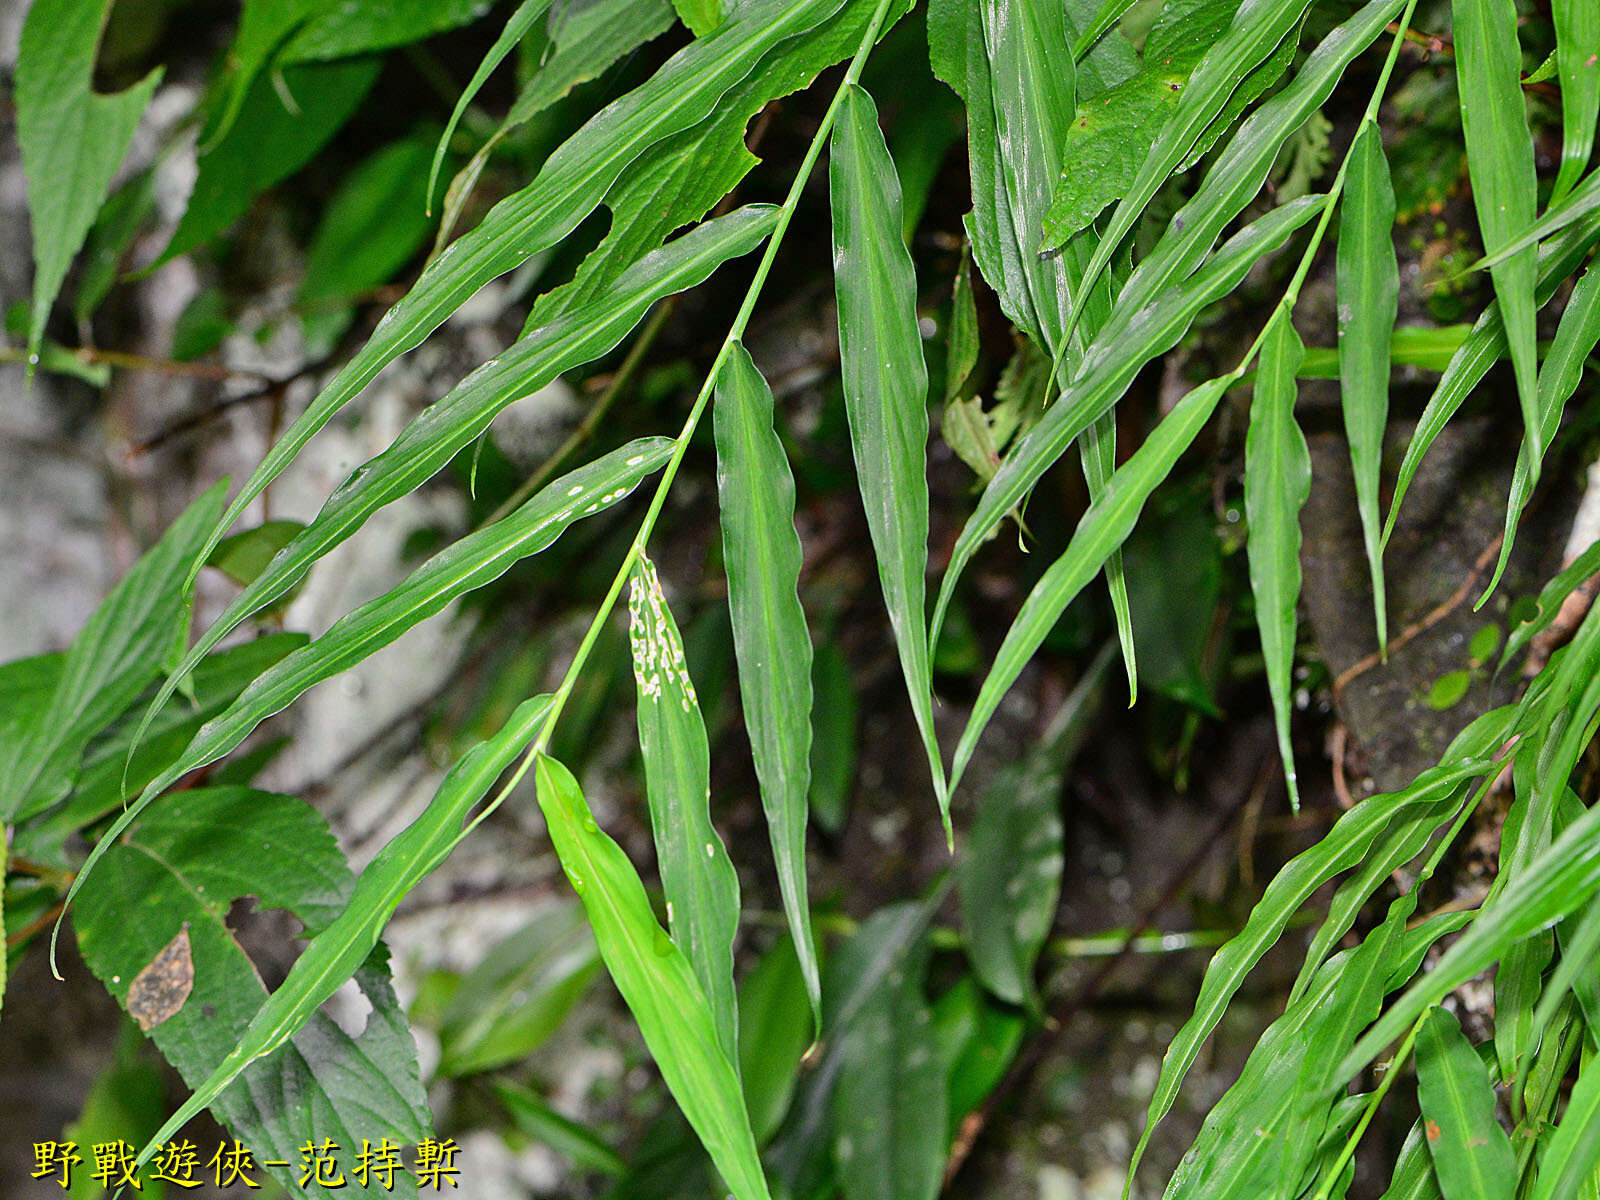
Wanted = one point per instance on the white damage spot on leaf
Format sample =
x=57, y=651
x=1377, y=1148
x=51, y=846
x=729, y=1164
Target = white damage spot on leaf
x=657, y=653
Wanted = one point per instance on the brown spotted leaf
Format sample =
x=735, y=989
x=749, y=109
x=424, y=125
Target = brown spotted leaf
x=158, y=991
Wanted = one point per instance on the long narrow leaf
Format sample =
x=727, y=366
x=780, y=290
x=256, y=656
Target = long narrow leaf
x=475, y=560
x=1504, y=186
x=1569, y=1160
x=762, y=554
x=1103, y=528
x=1129, y=339
x=1577, y=25
x=334, y=955
x=1277, y=481
x=1471, y=1154
x=655, y=980
x=885, y=390
x=697, y=875
x=1484, y=346
x=1369, y=294
x=442, y=430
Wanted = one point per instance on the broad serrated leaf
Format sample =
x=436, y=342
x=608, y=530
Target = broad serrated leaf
x=1110, y=136
x=655, y=980
x=1368, y=298
x=342, y=944
x=1258, y=28
x=118, y=651
x=885, y=390
x=1471, y=1154
x=186, y=863
x=1277, y=481
x=762, y=556
x=697, y=876
x=72, y=138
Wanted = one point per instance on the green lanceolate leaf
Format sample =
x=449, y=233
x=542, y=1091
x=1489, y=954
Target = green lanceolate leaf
x=1557, y=882
x=445, y=428
x=1111, y=135
x=776, y=1025
x=1128, y=340
x=340, y=945
x=1103, y=528
x=1575, y=340
x=834, y=735
x=475, y=560
x=270, y=140
x=186, y=863
x=1009, y=881
x=1548, y=604
x=655, y=980
x=1568, y=1162
x=1343, y=847
x=516, y=28
x=762, y=555
x=885, y=389
x=890, y=1140
x=697, y=876
x=1257, y=30
x=72, y=138
x=534, y=1117
x=701, y=16
x=1578, y=64
x=114, y=656
x=1484, y=346
x=570, y=186
x=1500, y=157
x=1277, y=482
x=1033, y=89
x=1369, y=291
x=1471, y=1153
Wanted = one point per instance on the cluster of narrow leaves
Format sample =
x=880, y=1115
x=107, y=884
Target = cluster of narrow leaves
x=1072, y=134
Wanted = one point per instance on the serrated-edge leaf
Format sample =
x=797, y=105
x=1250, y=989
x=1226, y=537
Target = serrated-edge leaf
x=885, y=389
x=72, y=138
x=762, y=556
x=335, y=953
x=1277, y=483
x=114, y=656
x=656, y=982
x=697, y=876
x=1257, y=29
x=1368, y=302
x=469, y=563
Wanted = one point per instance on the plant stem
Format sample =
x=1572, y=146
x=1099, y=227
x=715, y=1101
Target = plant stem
x=741, y=321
